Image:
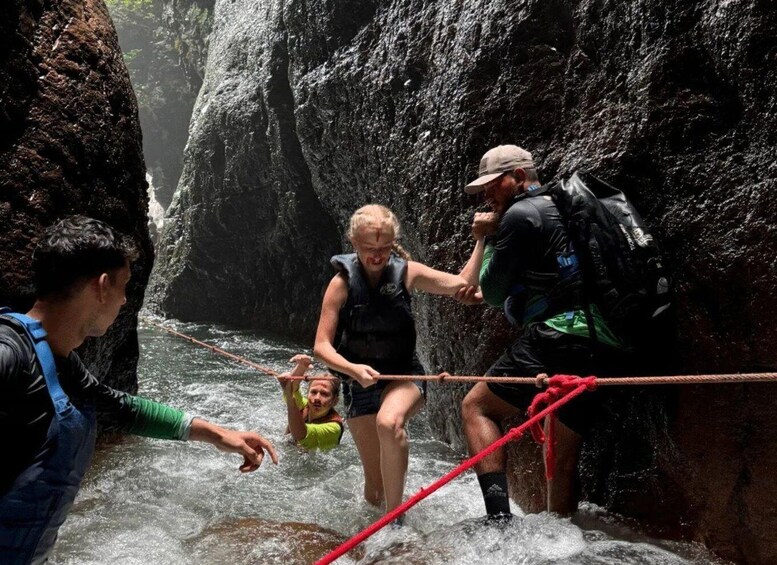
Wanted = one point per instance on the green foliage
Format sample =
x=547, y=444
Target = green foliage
x=129, y=4
x=202, y=17
x=130, y=56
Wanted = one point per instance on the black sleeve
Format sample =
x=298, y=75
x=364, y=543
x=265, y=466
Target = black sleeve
x=25, y=407
x=10, y=365
x=122, y=412
x=113, y=407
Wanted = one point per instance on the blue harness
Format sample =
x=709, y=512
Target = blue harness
x=40, y=498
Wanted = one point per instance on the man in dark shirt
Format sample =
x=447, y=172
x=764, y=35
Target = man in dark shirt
x=49, y=401
x=530, y=269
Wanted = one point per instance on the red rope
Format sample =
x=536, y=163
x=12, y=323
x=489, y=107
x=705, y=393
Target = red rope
x=471, y=462
x=558, y=387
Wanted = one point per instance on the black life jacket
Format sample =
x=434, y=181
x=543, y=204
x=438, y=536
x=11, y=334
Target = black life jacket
x=376, y=325
x=621, y=264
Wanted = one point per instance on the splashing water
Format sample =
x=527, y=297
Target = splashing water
x=152, y=501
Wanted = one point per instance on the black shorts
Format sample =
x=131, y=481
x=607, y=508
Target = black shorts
x=541, y=349
x=360, y=401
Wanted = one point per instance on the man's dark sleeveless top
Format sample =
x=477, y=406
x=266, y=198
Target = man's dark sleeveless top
x=376, y=325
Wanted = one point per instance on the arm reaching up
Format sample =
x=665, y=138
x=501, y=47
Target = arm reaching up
x=302, y=363
x=291, y=395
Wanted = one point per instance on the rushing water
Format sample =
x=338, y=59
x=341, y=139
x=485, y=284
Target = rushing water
x=163, y=502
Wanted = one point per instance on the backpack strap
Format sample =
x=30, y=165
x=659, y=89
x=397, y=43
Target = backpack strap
x=571, y=262
x=37, y=335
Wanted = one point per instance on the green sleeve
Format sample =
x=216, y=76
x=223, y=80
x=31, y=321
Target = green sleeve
x=322, y=436
x=299, y=400
x=491, y=285
x=488, y=252
x=152, y=419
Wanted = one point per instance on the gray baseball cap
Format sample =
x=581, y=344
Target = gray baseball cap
x=497, y=161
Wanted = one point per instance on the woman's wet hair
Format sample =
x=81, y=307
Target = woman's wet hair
x=75, y=249
x=382, y=217
x=335, y=385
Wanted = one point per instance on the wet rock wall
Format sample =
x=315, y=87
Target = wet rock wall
x=246, y=233
x=69, y=143
x=310, y=109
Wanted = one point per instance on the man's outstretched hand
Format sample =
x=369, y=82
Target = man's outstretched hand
x=250, y=445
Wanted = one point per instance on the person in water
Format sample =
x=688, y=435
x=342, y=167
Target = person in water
x=367, y=329
x=313, y=421
x=525, y=256
x=49, y=400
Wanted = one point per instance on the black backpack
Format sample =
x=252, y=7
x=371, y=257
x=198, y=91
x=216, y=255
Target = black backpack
x=623, y=272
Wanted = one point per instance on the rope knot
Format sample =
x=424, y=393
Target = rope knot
x=559, y=386
x=442, y=376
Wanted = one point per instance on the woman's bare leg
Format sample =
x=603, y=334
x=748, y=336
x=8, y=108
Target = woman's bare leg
x=365, y=436
x=401, y=401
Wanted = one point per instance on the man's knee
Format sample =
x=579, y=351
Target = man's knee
x=480, y=403
x=473, y=405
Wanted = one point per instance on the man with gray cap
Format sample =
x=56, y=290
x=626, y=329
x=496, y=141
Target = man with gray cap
x=529, y=268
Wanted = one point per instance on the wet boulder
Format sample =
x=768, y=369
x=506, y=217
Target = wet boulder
x=226, y=541
x=70, y=144
x=246, y=239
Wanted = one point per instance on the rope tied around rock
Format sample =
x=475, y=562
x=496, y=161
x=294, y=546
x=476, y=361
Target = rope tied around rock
x=559, y=386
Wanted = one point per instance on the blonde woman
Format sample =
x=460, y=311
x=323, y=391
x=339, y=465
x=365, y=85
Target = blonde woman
x=367, y=328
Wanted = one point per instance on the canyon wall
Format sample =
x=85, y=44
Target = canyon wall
x=309, y=109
